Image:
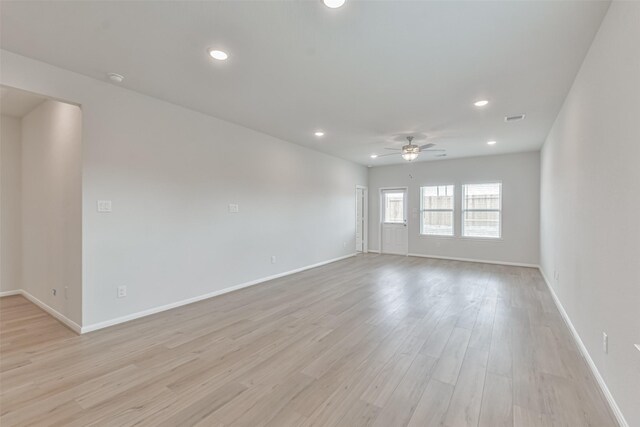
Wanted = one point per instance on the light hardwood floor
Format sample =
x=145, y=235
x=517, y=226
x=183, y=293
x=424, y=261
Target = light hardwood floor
x=373, y=340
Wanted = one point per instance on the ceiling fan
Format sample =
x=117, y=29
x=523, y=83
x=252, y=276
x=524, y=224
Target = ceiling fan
x=411, y=151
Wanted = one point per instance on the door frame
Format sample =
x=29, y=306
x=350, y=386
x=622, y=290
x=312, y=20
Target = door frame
x=365, y=217
x=381, y=214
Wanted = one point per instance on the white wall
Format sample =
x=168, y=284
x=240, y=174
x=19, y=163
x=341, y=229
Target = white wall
x=520, y=177
x=171, y=173
x=10, y=226
x=52, y=207
x=590, y=207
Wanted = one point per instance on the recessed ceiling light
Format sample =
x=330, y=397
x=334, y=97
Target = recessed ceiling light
x=333, y=4
x=481, y=103
x=218, y=54
x=491, y=142
x=319, y=133
x=373, y=156
x=116, y=78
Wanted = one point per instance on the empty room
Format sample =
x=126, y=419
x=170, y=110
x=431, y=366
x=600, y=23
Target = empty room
x=289, y=213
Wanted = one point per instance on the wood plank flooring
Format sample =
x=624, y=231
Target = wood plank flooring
x=374, y=340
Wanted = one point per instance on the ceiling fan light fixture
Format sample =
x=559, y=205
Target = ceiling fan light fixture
x=410, y=152
x=409, y=156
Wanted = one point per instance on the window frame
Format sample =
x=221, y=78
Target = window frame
x=452, y=210
x=463, y=211
x=383, y=192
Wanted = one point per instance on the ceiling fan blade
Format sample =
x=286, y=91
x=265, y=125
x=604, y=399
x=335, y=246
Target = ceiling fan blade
x=425, y=146
x=434, y=150
x=398, y=149
x=390, y=154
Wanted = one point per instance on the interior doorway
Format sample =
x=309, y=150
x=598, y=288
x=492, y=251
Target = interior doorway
x=41, y=204
x=394, y=237
x=362, y=244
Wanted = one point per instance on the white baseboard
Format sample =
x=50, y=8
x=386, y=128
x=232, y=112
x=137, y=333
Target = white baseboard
x=154, y=310
x=483, y=261
x=9, y=293
x=585, y=353
x=62, y=318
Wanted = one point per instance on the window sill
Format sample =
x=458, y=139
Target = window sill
x=436, y=236
x=482, y=239
x=478, y=239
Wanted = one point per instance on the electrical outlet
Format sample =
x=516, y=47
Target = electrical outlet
x=122, y=291
x=605, y=343
x=233, y=208
x=344, y=244
x=66, y=292
x=556, y=275
x=273, y=259
x=54, y=291
x=104, y=206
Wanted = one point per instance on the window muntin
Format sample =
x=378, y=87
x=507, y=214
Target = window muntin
x=482, y=210
x=436, y=210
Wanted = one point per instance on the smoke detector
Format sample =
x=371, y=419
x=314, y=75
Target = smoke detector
x=116, y=78
x=515, y=118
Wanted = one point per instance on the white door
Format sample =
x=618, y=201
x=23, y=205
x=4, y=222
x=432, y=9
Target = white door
x=394, y=235
x=360, y=209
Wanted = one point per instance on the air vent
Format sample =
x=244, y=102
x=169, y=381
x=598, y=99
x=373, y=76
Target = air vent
x=514, y=118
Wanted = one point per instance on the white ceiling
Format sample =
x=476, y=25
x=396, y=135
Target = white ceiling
x=17, y=103
x=367, y=74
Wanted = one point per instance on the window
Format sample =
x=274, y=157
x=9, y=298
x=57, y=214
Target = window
x=482, y=210
x=393, y=207
x=436, y=210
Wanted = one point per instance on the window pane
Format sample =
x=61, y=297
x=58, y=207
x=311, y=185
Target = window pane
x=437, y=197
x=394, y=207
x=437, y=223
x=481, y=224
x=482, y=196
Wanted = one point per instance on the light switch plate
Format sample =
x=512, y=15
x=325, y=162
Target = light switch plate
x=233, y=208
x=122, y=291
x=104, y=206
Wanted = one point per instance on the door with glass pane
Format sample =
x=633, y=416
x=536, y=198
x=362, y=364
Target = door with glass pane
x=393, y=234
